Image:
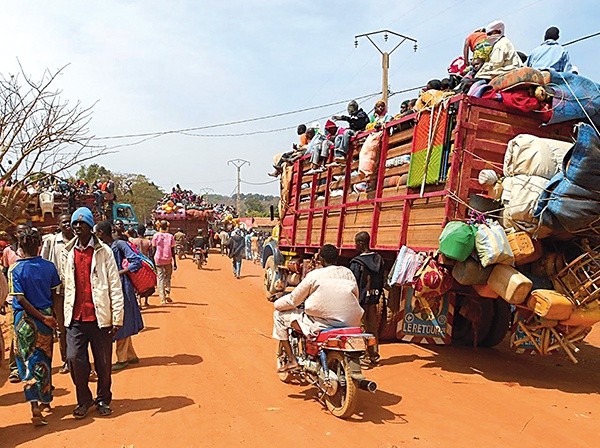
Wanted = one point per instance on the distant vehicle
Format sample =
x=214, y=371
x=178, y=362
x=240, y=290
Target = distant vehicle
x=44, y=209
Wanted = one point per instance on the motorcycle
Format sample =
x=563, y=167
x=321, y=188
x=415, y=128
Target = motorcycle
x=180, y=251
x=199, y=257
x=331, y=362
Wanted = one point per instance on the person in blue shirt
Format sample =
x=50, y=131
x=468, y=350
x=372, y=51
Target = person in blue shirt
x=550, y=54
x=33, y=283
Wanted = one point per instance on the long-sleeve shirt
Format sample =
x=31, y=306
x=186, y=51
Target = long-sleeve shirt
x=330, y=295
x=357, y=122
x=550, y=55
x=503, y=59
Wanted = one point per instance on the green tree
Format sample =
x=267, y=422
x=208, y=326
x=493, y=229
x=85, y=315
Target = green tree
x=93, y=172
x=140, y=192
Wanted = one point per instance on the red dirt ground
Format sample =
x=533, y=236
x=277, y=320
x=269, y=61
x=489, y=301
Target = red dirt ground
x=206, y=379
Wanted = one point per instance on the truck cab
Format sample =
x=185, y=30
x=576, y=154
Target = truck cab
x=125, y=213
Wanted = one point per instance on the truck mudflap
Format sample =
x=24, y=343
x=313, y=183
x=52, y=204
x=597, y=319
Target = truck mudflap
x=272, y=249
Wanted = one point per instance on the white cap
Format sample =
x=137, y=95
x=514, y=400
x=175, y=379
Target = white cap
x=575, y=69
x=316, y=125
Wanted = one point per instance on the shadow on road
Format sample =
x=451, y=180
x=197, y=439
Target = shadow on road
x=371, y=407
x=250, y=276
x=175, y=360
x=61, y=420
x=502, y=365
x=174, y=305
x=19, y=397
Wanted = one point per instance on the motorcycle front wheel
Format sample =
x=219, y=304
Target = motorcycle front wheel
x=343, y=403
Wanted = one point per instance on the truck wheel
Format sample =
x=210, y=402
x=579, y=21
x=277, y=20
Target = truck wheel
x=501, y=322
x=272, y=285
x=269, y=276
x=474, y=328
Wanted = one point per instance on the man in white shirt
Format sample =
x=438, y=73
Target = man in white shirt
x=330, y=297
x=503, y=57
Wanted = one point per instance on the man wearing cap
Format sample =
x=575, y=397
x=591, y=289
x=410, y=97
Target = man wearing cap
x=503, y=56
x=550, y=54
x=93, y=311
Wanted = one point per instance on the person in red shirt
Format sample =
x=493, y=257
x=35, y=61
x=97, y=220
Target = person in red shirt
x=93, y=311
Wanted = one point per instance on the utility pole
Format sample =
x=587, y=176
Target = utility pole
x=385, y=56
x=238, y=163
x=206, y=191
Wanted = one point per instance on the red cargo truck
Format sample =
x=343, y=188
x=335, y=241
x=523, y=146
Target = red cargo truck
x=397, y=208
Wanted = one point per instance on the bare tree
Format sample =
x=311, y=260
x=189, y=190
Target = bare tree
x=41, y=136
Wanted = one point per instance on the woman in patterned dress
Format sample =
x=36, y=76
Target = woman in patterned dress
x=32, y=283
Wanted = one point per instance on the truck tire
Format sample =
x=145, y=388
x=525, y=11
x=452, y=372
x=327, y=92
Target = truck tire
x=270, y=276
x=501, y=322
x=475, y=330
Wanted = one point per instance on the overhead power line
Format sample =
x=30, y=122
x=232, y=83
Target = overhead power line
x=589, y=36
x=231, y=123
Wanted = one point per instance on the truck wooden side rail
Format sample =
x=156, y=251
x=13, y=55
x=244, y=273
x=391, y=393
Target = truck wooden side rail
x=397, y=208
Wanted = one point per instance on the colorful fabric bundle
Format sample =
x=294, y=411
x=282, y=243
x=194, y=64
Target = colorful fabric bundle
x=432, y=280
x=520, y=77
x=457, y=240
x=492, y=244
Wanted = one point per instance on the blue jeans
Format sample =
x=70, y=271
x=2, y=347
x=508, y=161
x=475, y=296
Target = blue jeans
x=237, y=266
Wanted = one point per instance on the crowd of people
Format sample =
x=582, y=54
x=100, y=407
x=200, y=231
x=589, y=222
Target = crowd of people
x=487, y=54
x=78, y=283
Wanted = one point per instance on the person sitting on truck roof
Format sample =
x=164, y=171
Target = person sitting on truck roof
x=296, y=152
x=332, y=139
x=330, y=298
x=503, y=56
x=550, y=54
x=476, y=40
x=379, y=116
x=357, y=121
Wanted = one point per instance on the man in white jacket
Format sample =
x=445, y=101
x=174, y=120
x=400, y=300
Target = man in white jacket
x=93, y=311
x=503, y=57
x=330, y=297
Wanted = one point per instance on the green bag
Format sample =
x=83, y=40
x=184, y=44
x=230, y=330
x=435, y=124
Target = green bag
x=457, y=240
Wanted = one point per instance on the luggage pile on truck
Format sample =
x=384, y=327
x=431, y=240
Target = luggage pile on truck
x=487, y=214
x=188, y=211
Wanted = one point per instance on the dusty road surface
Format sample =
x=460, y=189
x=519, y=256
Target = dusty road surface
x=206, y=379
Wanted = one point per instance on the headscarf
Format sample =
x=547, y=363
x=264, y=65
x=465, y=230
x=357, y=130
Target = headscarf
x=381, y=102
x=496, y=25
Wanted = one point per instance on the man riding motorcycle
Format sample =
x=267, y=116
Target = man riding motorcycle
x=330, y=298
x=201, y=242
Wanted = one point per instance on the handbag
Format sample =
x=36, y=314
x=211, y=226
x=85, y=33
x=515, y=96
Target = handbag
x=144, y=279
x=432, y=280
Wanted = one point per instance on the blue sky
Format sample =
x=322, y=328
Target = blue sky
x=156, y=66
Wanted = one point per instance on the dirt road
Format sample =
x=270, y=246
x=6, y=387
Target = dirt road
x=206, y=379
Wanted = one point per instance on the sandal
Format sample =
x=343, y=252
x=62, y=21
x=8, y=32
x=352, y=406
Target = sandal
x=81, y=410
x=38, y=420
x=103, y=409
